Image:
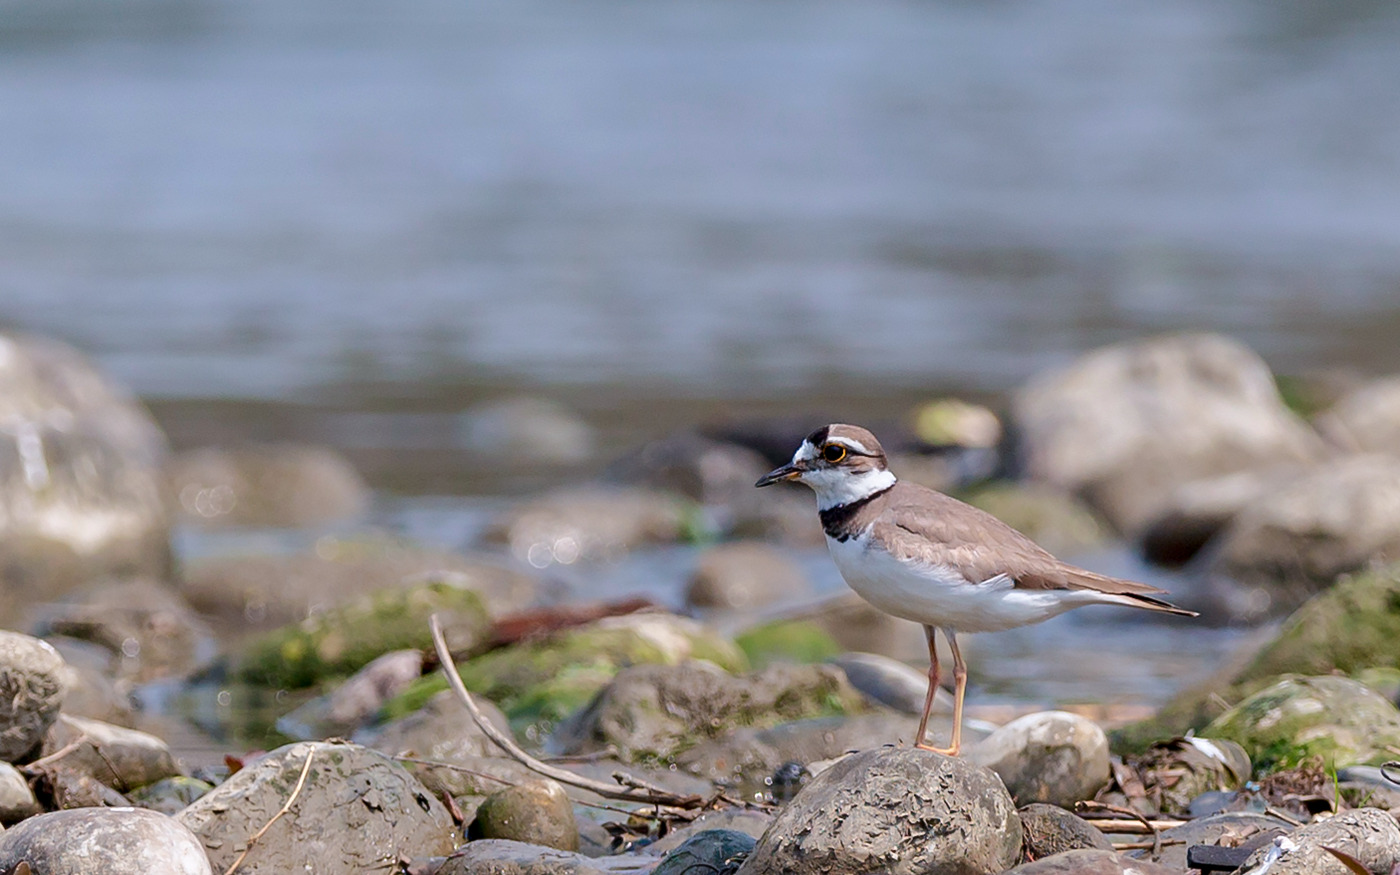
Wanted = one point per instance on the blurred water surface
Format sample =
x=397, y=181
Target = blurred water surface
x=266, y=200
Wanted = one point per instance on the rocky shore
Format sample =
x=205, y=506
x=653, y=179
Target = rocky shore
x=717, y=738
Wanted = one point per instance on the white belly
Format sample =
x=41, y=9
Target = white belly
x=940, y=596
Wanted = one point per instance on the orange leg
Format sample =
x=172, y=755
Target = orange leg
x=959, y=689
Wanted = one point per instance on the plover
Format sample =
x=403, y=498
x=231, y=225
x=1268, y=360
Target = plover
x=927, y=557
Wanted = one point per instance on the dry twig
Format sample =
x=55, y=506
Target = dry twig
x=649, y=795
x=286, y=806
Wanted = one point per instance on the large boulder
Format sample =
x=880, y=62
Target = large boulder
x=33, y=680
x=1297, y=718
x=899, y=811
x=1296, y=540
x=1124, y=424
x=357, y=811
x=267, y=485
x=81, y=495
x=654, y=712
x=113, y=841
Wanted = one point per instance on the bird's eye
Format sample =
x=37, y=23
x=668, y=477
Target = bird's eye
x=833, y=453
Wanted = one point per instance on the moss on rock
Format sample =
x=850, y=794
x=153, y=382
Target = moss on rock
x=801, y=641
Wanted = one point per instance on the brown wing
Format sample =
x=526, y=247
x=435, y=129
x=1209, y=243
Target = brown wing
x=981, y=547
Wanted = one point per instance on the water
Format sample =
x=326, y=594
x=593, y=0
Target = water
x=346, y=221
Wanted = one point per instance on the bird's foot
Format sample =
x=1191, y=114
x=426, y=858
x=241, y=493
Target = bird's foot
x=946, y=751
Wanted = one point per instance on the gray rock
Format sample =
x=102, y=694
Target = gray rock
x=857, y=625
x=355, y=701
x=116, y=756
x=708, y=850
x=745, y=575
x=147, y=626
x=652, y=712
x=892, y=683
x=1124, y=424
x=1050, y=756
x=1198, y=510
x=1049, y=829
x=1295, y=541
x=1369, y=835
x=708, y=471
x=81, y=496
x=357, y=811
x=263, y=592
x=899, y=811
x=538, y=811
x=112, y=841
x=1091, y=861
x=506, y=857
x=33, y=681
x=1231, y=829
x=265, y=485
x=16, y=798
x=1367, y=419
x=441, y=730
x=588, y=524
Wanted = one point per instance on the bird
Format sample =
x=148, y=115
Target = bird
x=924, y=556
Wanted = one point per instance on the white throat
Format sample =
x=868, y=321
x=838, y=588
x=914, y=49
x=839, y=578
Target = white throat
x=835, y=486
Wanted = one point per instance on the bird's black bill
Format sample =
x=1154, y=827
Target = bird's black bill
x=777, y=475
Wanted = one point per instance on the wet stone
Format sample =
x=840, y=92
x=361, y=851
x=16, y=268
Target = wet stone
x=1050, y=829
x=898, y=810
x=538, y=811
x=32, y=685
x=709, y=850
x=112, y=841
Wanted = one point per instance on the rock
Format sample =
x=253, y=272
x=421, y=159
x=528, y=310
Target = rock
x=543, y=680
x=80, y=496
x=150, y=631
x=357, y=811
x=355, y=702
x=120, y=758
x=1050, y=829
x=523, y=431
x=1091, y=861
x=800, y=641
x=891, y=683
x=1124, y=424
x=16, y=798
x=745, y=575
x=1334, y=717
x=113, y=841
x=1051, y=517
x=264, y=592
x=1369, y=835
x=899, y=811
x=537, y=810
x=266, y=485
x=506, y=857
x=708, y=850
x=855, y=624
x=169, y=795
x=711, y=472
x=1232, y=829
x=1367, y=419
x=343, y=640
x=1194, y=512
x=750, y=757
x=1295, y=541
x=32, y=685
x=588, y=524
x=93, y=691
x=653, y=712
x=1050, y=756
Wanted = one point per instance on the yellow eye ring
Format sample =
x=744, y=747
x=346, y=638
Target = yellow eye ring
x=833, y=453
